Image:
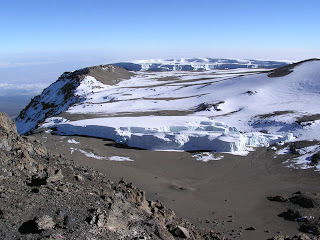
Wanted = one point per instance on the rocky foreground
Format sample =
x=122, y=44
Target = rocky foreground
x=44, y=196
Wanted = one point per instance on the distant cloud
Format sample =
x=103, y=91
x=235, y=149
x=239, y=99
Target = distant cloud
x=23, y=64
x=4, y=64
x=21, y=89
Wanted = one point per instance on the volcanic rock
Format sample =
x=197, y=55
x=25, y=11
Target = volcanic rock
x=41, y=198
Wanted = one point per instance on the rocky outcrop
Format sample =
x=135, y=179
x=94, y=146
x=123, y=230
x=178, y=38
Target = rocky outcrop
x=300, y=236
x=8, y=133
x=45, y=196
x=301, y=207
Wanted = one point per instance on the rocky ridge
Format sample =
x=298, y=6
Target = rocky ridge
x=45, y=196
x=303, y=208
x=61, y=94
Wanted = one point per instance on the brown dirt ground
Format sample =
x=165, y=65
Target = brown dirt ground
x=227, y=195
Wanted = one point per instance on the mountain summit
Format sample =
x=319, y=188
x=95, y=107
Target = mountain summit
x=62, y=93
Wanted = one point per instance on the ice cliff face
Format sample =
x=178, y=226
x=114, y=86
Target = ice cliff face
x=197, y=64
x=221, y=110
x=167, y=133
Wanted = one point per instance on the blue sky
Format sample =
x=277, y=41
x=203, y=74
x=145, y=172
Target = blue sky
x=43, y=38
x=127, y=29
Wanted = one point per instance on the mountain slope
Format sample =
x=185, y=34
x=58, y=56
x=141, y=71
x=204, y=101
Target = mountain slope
x=220, y=110
x=61, y=94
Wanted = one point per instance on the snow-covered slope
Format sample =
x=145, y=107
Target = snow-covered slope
x=221, y=110
x=197, y=64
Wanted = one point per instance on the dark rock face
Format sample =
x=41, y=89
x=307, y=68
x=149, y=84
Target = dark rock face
x=313, y=228
x=8, y=133
x=209, y=107
x=43, y=197
x=277, y=199
x=294, y=149
x=302, y=207
x=180, y=232
x=291, y=215
x=303, y=201
x=250, y=229
x=315, y=159
x=300, y=236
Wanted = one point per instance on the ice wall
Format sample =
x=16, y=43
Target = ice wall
x=206, y=135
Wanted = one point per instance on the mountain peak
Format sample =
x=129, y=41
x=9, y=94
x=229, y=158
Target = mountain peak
x=61, y=94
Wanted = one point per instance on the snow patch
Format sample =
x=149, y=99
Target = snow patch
x=88, y=86
x=88, y=154
x=92, y=155
x=283, y=151
x=120, y=159
x=304, y=160
x=206, y=156
x=73, y=141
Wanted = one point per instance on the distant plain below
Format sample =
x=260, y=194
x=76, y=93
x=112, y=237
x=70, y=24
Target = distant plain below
x=13, y=104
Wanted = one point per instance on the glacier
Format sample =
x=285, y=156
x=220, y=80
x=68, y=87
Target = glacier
x=198, y=64
x=167, y=133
